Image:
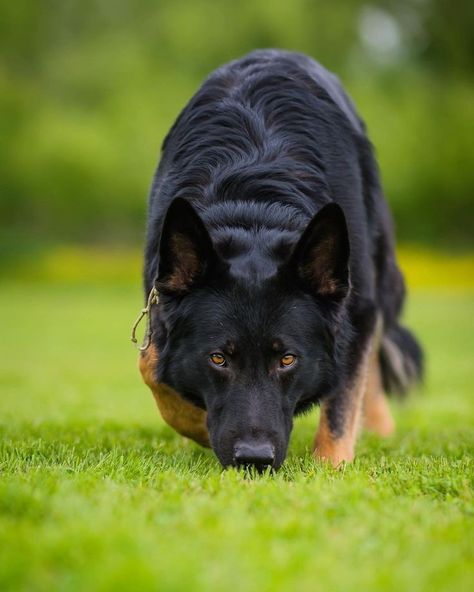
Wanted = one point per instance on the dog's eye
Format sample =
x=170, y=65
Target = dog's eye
x=287, y=360
x=217, y=359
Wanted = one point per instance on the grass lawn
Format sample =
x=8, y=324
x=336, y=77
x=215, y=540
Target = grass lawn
x=96, y=493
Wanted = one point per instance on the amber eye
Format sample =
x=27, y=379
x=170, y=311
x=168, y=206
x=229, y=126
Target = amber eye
x=217, y=359
x=287, y=360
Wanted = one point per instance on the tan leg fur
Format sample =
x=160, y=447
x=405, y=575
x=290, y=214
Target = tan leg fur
x=340, y=448
x=377, y=415
x=366, y=404
x=181, y=415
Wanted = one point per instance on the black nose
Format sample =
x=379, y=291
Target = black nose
x=259, y=455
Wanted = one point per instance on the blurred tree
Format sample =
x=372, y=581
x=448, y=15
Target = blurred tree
x=89, y=88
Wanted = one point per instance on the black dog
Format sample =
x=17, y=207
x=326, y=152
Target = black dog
x=271, y=247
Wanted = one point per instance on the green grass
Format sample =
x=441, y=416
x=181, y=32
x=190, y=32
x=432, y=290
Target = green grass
x=96, y=493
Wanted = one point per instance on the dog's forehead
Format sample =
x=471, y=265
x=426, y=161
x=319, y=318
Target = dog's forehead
x=256, y=256
x=253, y=314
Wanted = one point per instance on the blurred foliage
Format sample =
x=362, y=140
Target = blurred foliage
x=89, y=88
x=423, y=268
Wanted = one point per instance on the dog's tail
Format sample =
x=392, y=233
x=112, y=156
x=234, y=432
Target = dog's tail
x=401, y=360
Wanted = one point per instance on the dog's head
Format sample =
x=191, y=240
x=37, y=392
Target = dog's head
x=252, y=350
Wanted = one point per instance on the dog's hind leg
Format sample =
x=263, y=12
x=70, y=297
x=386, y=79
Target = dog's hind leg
x=377, y=416
x=340, y=419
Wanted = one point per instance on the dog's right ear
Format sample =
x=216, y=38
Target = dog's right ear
x=186, y=251
x=320, y=259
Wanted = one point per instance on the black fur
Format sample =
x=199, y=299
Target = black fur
x=257, y=155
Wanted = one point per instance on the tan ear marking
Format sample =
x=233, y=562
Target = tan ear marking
x=320, y=272
x=187, y=263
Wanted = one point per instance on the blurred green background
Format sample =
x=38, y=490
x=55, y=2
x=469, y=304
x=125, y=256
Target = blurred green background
x=89, y=88
x=96, y=493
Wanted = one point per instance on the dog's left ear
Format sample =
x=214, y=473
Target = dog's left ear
x=320, y=258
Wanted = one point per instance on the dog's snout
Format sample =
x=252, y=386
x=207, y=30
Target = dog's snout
x=259, y=455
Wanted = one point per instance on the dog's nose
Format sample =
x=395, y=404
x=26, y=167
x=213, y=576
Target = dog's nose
x=259, y=455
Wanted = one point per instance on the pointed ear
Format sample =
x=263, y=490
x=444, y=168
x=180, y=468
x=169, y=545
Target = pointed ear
x=186, y=251
x=320, y=259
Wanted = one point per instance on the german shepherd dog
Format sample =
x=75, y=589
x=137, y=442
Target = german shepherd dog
x=270, y=246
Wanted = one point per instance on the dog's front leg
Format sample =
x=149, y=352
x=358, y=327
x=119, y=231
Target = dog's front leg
x=340, y=420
